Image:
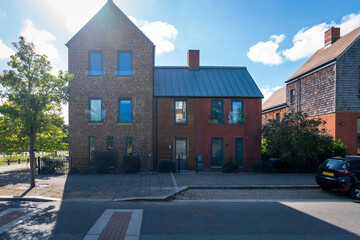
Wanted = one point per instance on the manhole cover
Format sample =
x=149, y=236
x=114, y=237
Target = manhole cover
x=202, y=213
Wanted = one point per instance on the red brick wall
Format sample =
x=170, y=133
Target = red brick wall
x=249, y=131
x=272, y=115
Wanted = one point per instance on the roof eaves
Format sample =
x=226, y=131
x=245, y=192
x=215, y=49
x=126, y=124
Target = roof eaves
x=277, y=107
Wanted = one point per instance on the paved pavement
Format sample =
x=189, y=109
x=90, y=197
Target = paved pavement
x=142, y=186
x=12, y=167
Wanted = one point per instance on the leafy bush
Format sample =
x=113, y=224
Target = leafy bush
x=263, y=167
x=131, y=164
x=105, y=160
x=165, y=166
x=339, y=148
x=230, y=167
x=52, y=164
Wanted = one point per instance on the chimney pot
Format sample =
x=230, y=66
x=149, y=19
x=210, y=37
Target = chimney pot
x=331, y=36
x=193, y=59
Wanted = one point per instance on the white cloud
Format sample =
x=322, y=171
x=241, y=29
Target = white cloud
x=161, y=33
x=266, y=52
x=5, y=51
x=305, y=42
x=268, y=91
x=65, y=113
x=41, y=38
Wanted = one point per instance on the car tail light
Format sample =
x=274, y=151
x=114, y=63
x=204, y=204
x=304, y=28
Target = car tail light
x=343, y=172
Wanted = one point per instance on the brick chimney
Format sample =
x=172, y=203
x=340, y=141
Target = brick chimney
x=193, y=59
x=331, y=36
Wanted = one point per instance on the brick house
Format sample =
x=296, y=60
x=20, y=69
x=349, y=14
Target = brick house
x=275, y=106
x=123, y=102
x=327, y=86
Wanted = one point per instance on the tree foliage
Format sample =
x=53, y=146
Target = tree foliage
x=33, y=98
x=300, y=141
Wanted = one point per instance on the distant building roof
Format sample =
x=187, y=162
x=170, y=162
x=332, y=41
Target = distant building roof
x=205, y=82
x=328, y=54
x=277, y=99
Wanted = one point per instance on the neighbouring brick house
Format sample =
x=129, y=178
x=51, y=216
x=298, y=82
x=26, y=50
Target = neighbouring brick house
x=123, y=102
x=327, y=86
x=275, y=106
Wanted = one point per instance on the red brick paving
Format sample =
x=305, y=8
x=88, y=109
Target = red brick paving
x=116, y=227
x=7, y=218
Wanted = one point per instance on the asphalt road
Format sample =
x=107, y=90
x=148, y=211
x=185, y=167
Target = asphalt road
x=293, y=219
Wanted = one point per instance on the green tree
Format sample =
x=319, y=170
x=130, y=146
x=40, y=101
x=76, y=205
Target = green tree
x=33, y=99
x=300, y=141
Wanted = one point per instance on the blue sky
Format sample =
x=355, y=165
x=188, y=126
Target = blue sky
x=271, y=38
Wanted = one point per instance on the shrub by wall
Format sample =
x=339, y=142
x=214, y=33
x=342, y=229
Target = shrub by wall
x=52, y=164
x=105, y=160
x=131, y=164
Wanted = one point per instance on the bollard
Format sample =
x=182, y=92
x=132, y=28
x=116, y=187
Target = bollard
x=196, y=164
x=28, y=160
x=179, y=162
x=19, y=161
x=8, y=161
x=38, y=165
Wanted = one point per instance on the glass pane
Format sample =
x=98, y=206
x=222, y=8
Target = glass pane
x=91, y=149
x=128, y=146
x=125, y=111
x=125, y=63
x=239, y=151
x=95, y=110
x=237, y=112
x=358, y=126
x=358, y=144
x=180, y=111
x=110, y=143
x=181, y=152
x=95, y=61
x=216, y=152
x=216, y=112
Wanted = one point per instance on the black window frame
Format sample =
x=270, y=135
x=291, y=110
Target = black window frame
x=186, y=111
x=212, y=119
x=242, y=111
x=95, y=73
x=277, y=117
x=118, y=72
x=292, y=96
x=119, y=110
x=101, y=111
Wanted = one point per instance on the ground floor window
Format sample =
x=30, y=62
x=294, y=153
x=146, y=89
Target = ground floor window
x=91, y=149
x=239, y=151
x=216, y=152
x=110, y=143
x=129, y=147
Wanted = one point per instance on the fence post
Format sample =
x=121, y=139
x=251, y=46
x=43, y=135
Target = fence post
x=19, y=161
x=39, y=165
x=179, y=162
x=8, y=161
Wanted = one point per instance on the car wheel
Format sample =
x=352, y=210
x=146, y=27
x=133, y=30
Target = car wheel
x=355, y=192
x=324, y=188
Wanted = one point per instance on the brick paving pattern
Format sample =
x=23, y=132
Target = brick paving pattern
x=7, y=218
x=116, y=227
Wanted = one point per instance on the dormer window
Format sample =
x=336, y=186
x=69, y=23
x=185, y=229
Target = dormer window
x=124, y=64
x=95, y=64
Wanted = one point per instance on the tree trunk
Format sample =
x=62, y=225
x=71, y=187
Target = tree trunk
x=32, y=162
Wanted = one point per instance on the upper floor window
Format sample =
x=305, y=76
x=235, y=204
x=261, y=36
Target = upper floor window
x=125, y=64
x=95, y=110
x=278, y=117
x=292, y=96
x=180, y=111
x=95, y=64
x=125, y=111
x=237, y=112
x=217, y=112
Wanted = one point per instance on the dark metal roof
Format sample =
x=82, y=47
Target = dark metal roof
x=205, y=82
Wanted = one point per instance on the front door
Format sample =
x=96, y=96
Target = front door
x=181, y=152
x=216, y=152
x=239, y=151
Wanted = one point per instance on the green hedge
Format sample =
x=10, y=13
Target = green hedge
x=165, y=166
x=105, y=160
x=131, y=164
x=52, y=164
x=264, y=167
x=230, y=167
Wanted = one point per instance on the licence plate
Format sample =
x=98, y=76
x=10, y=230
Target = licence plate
x=328, y=174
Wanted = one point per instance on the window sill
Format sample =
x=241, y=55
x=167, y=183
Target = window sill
x=130, y=123
x=95, y=123
x=95, y=73
x=124, y=73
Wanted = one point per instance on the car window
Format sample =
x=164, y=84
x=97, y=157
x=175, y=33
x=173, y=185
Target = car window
x=335, y=164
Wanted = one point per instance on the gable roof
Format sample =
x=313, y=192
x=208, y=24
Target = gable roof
x=108, y=7
x=205, y=82
x=327, y=55
x=277, y=99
